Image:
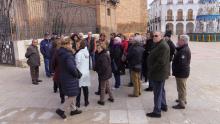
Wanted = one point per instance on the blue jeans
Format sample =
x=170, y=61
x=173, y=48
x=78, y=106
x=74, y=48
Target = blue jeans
x=92, y=56
x=47, y=67
x=159, y=95
x=117, y=80
x=150, y=84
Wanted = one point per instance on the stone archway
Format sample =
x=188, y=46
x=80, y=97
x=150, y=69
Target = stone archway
x=169, y=27
x=189, y=27
x=179, y=28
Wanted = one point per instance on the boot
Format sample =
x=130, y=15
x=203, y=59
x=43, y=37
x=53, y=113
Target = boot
x=61, y=113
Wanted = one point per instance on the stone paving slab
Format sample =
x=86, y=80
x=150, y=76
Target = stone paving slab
x=23, y=103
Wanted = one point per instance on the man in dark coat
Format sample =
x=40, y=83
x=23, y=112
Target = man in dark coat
x=45, y=48
x=158, y=63
x=33, y=61
x=148, y=46
x=135, y=55
x=167, y=38
x=181, y=69
x=91, y=45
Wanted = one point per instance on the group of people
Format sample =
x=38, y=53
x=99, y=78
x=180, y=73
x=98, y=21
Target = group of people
x=69, y=61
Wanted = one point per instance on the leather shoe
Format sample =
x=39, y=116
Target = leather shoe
x=61, y=113
x=165, y=109
x=130, y=85
x=178, y=106
x=39, y=80
x=86, y=104
x=178, y=101
x=111, y=100
x=149, y=89
x=153, y=115
x=132, y=95
x=97, y=93
x=35, y=83
x=101, y=103
x=75, y=112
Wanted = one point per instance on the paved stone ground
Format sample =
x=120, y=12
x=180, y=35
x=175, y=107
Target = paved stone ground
x=23, y=103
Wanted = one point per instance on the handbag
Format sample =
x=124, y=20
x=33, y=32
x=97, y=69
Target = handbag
x=79, y=74
x=123, y=58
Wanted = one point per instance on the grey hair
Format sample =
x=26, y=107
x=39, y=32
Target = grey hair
x=185, y=38
x=138, y=39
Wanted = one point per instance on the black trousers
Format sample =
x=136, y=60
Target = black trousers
x=99, y=86
x=34, y=73
x=86, y=95
x=58, y=85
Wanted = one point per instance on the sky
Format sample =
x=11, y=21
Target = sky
x=149, y=2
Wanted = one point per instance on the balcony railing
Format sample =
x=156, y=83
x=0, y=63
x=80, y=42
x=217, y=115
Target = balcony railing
x=190, y=19
x=170, y=2
x=179, y=18
x=169, y=18
x=180, y=2
x=157, y=19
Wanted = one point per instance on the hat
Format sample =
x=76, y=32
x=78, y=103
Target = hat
x=117, y=40
x=46, y=34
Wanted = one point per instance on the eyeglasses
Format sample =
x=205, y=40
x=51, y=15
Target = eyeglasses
x=155, y=35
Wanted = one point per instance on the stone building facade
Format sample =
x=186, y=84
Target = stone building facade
x=175, y=15
x=31, y=18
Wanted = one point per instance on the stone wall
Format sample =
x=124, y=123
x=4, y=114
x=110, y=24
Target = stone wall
x=106, y=18
x=131, y=16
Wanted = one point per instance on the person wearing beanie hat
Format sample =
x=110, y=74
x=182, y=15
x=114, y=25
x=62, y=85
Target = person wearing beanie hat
x=167, y=38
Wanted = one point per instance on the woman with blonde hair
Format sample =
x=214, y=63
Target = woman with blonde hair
x=69, y=78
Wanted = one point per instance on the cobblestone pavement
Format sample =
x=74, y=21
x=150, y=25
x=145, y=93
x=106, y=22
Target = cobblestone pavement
x=23, y=103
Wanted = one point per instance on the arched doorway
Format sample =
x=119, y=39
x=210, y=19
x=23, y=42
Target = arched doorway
x=179, y=29
x=169, y=27
x=189, y=27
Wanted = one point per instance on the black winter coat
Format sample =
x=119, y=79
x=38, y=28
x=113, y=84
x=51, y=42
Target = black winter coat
x=69, y=74
x=148, y=46
x=158, y=62
x=116, y=54
x=172, y=49
x=134, y=57
x=181, y=62
x=33, y=56
x=103, y=65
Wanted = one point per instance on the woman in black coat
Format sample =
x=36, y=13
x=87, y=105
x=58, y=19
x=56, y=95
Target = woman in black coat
x=69, y=76
x=104, y=71
x=116, y=52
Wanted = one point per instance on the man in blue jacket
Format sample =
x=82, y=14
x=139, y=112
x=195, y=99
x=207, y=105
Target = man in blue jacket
x=45, y=48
